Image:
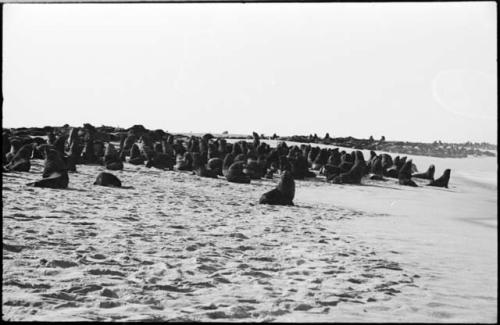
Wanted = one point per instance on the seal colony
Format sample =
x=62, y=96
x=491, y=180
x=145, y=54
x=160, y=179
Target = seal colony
x=207, y=156
x=178, y=246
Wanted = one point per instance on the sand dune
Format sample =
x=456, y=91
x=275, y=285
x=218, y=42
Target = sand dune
x=179, y=247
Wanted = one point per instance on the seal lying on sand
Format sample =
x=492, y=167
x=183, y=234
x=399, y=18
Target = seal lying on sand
x=21, y=160
x=283, y=194
x=55, y=174
x=107, y=179
x=404, y=175
x=443, y=180
x=429, y=174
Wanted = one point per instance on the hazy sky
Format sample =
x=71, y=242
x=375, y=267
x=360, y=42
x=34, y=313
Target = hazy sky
x=409, y=71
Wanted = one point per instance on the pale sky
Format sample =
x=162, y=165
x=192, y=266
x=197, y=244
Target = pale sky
x=409, y=71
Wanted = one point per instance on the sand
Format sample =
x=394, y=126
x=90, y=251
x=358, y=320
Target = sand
x=180, y=247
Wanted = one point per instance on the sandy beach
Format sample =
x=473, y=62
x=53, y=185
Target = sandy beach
x=175, y=246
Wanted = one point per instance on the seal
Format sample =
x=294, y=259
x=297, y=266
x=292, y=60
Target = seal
x=88, y=155
x=235, y=173
x=404, y=175
x=429, y=174
x=107, y=179
x=346, y=162
x=15, y=145
x=284, y=192
x=227, y=162
x=193, y=144
x=161, y=160
x=443, y=180
x=59, y=143
x=136, y=157
x=21, y=160
x=331, y=171
x=284, y=164
x=75, y=150
x=334, y=158
x=311, y=156
x=376, y=170
x=386, y=161
x=55, y=174
x=112, y=159
x=355, y=173
x=216, y=165
x=184, y=162
x=320, y=160
x=253, y=169
x=199, y=167
x=299, y=167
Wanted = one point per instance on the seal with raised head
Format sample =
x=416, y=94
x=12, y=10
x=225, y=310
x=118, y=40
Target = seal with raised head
x=404, y=175
x=107, y=179
x=283, y=194
x=443, y=180
x=376, y=170
x=55, y=174
x=429, y=174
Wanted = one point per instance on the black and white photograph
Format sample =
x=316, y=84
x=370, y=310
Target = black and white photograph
x=204, y=161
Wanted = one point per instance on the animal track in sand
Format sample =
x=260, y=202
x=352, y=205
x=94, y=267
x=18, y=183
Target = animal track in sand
x=143, y=257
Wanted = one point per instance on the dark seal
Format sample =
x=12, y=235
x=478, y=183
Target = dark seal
x=404, y=175
x=283, y=194
x=55, y=173
x=235, y=173
x=443, y=180
x=107, y=179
